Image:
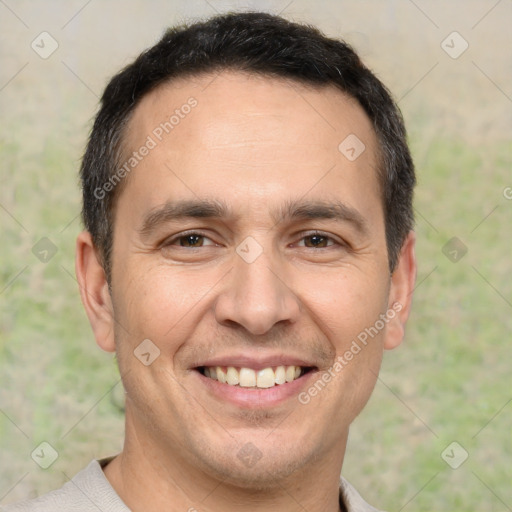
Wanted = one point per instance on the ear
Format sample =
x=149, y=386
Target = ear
x=400, y=293
x=94, y=291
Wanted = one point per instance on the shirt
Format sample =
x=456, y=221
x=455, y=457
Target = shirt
x=90, y=491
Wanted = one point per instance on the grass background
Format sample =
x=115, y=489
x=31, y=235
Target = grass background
x=449, y=381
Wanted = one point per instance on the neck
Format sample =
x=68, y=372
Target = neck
x=148, y=478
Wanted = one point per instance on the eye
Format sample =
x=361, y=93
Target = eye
x=317, y=241
x=189, y=240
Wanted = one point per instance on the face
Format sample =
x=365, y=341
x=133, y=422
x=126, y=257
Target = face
x=249, y=247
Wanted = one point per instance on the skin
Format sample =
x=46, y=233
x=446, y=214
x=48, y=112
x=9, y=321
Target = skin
x=254, y=144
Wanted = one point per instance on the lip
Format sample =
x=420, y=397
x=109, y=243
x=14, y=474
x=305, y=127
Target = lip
x=253, y=398
x=257, y=362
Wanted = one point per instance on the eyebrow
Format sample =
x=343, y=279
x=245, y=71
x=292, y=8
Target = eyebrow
x=173, y=211
x=329, y=209
x=183, y=209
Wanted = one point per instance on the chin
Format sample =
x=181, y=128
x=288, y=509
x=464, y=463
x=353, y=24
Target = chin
x=264, y=476
x=256, y=469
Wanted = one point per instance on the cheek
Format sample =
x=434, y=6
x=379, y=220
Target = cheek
x=161, y=305
x=346, y=306
x=164, y=307
x=343, y=303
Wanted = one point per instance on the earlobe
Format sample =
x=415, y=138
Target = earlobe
x=94, y=291
x=400, y=293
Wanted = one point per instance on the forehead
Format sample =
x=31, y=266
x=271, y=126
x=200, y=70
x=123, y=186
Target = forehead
x=250, y=129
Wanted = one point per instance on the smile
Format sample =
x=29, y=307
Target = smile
x=250, y=378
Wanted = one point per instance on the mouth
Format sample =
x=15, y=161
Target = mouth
x=264, y=378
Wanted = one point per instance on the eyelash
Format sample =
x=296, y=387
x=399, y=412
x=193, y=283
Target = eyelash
x=308, y=234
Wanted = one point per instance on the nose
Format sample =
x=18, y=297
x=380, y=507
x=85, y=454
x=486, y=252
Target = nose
x=257, y=295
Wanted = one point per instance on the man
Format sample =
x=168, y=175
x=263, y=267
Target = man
x=248, y=255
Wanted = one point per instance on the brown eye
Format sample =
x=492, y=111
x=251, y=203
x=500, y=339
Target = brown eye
x=191, y=240
x=316, y=241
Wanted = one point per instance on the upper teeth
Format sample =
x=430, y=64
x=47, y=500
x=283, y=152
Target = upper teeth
x=248, y=378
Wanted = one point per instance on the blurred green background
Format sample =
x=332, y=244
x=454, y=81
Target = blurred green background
x=450, y=381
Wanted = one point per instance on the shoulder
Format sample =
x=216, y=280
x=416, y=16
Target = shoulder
x=88, y=490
